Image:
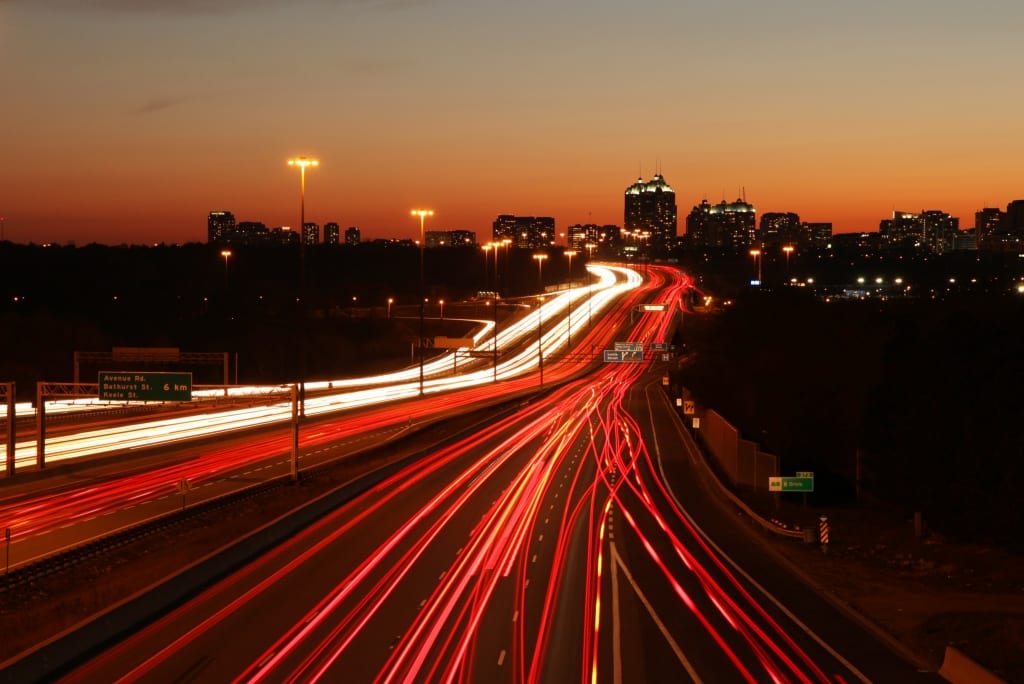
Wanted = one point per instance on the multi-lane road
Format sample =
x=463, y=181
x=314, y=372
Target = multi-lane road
x=577, y=539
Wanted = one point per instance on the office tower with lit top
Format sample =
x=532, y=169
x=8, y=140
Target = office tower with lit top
x=525, y=232
x=650, y=220
x=220, y=227
x=728, y=226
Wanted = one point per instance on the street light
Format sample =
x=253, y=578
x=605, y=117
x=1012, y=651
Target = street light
x=540, y=304
x=302, y=163
x=756, y=253
x=570, y=253
x=441, y=302
x=590, y=285
x=788, y=249
x=507, y=244
x=391, y=300
x=494, y=297
x=487, y=264
x=225, y=253
x=423, y=214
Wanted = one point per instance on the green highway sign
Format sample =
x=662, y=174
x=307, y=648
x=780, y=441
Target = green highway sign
x=127, y=386
x=790, y=484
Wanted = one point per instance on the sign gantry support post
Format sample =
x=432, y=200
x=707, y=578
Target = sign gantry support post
x=295, y=433
x=12, y=427
x=40, y=425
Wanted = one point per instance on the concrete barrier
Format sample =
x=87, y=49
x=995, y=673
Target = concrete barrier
x=959, y=668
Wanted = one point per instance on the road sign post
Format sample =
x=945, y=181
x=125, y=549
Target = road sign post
x=790, y=484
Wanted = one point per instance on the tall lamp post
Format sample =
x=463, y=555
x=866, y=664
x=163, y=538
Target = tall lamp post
x=507, y=244
x=423, y=214
x=494, y=297
x=756, y=253
x=788, y=249
x=226, y=253
x=540, y=304
x=570, y=253
x=302, y=163
x=590, y=286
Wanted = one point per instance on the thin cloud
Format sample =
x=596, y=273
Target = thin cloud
x=158, y=104
x=193, y=7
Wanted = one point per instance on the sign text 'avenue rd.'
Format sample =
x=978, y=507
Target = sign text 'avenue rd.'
x=128, y=386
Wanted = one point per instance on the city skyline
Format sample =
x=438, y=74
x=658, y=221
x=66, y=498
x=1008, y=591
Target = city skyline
x=131, y=121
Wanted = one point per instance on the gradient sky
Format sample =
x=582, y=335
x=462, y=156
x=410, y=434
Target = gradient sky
x=130, y=120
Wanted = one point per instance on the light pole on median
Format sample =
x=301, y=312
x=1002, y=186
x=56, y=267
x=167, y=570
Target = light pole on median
x=590, y=285
x=302, y=163
x=756, y=253
x=540, y=305
x=788, y=249
x=494, y=297
x=226, y=253
x=423, y=214
x=570, y=253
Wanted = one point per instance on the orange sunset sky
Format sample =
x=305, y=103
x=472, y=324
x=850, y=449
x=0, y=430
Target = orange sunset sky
x=130, y=120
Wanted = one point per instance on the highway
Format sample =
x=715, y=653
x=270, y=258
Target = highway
x=241, y=446
x=273, y=404
x=578, y=539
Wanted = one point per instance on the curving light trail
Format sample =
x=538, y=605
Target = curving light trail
x=525, y=458
x=613, y=283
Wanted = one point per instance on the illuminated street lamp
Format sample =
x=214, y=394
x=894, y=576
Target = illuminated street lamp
x=423, y=214
x=391, y=300
x=226, y=253
x=494, y=297
x=540, y=302
x=302, y=163
x=570, y=253
x=590, y=285
x=756, y=253
x=487, y=263
x=441, y=302
x=507, y=244
x=788, y=249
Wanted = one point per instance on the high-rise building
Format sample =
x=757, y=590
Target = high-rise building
x=779, y=228
x=591, y=237
x=311, y=233
x=987, y=223
x=332, y=233
x=939, y=230
x=650, y=215
x=526, y=232
x=819, y=233
x=930, y=231
x=726, y=226
x=352, y=236
x=1015, y=217
x=220, y=227
x=251, y=233
x=904, y=229
x=1001, y=230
